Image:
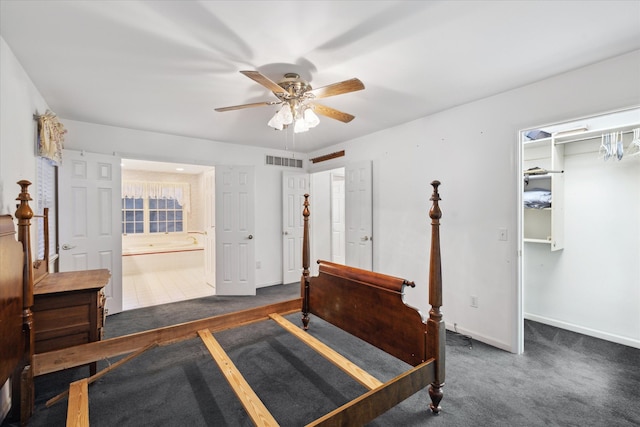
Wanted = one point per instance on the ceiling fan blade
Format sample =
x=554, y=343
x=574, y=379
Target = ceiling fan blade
x=264, y=81
x=332, y=113
x=337, y=88
x=240, y=107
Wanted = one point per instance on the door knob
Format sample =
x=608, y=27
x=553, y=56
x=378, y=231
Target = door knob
x=365, y=238
x=286, y=233
x=250, y=236
x=66, y=247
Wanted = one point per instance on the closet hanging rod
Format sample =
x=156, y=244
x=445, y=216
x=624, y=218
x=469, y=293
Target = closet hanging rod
x=539, y=172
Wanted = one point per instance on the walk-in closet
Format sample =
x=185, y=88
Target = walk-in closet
x=581, y=225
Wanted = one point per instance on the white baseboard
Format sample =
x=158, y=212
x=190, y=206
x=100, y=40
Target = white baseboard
x=583, y=330
x=264, y=285
x=479, y=337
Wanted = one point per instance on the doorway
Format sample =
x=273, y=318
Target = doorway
x=165, y=240
x=328, y=201
x=578, y=228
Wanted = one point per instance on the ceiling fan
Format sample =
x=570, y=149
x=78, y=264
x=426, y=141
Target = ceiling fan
x=297, y=96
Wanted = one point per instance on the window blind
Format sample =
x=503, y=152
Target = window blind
x=46, y=198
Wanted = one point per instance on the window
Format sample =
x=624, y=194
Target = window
x=149, y=207
x=46, y=198
x=132, y=215
x=165, y=216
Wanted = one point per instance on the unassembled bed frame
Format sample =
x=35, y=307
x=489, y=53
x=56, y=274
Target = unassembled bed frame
x=366, y=304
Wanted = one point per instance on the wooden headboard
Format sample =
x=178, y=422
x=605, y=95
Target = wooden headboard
x=351, y=298
x=11, y=261
x=16, y=302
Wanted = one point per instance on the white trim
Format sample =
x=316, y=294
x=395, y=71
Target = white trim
x=482, y=338
x=518, y=336
x=267, y=284
x=584, y=331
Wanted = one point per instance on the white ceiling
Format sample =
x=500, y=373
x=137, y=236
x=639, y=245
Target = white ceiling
x=164, y=66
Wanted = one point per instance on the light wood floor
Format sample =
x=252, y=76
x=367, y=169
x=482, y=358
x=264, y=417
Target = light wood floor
x=147, y=289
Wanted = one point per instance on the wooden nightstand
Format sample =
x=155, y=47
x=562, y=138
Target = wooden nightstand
x=68, y=309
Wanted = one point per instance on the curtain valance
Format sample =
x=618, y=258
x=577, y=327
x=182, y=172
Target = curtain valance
x=159, y=190
x=50, y=137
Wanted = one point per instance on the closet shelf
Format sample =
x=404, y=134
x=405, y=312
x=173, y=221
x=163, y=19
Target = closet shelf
x=527, y=240
x=543, y=169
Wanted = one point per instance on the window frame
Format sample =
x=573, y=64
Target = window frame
x=147, y=220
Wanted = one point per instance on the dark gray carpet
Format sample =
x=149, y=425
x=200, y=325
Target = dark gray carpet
x=563, y=379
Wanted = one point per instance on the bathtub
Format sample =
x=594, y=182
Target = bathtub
x=162, y=253
x=161, y=247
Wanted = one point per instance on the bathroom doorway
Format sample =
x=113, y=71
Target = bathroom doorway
x=164, y=232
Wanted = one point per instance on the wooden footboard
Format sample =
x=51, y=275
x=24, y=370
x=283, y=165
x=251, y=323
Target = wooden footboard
x=371, y=305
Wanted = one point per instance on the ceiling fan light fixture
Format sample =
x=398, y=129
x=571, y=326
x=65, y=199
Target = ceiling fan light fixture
x=300, y=126
x=294, y=94
x=284, y=116
x=311, y=118
x=276, y=122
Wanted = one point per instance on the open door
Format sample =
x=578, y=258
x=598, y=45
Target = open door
x=358, y=215
x=235, y=242
x=209, y=228
x=90, y=218
x=337, y=217
x=294, y=187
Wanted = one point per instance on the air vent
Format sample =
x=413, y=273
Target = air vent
x=284, y=161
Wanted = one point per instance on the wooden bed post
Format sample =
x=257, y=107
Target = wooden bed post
x=436, y=332
x=304, y=281
x=26, y=389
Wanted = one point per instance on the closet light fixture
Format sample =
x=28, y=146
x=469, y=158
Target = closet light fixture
x=572, y=131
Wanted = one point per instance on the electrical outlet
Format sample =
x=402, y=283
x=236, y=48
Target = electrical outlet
x=258, y=264
x=502, y=234
x=474, y=301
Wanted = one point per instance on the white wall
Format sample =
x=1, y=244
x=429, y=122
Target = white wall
x=19, y=101
x=135, y=144
x=473, y=150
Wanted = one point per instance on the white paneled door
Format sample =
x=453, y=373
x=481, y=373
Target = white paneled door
x=294, y=187
x=235, y=238
x=358, y=215
x=90, y=226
